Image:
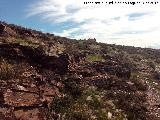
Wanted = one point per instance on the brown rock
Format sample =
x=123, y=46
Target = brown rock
x=112, y=68
x=7, y=114
x=48, y=93
x=2, y=28
x=32, y=114
x=1, y=98
x=27, y=115
x=18, y=99
x=6, y=30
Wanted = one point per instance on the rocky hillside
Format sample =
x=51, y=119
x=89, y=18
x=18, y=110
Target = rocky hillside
x=47, y=77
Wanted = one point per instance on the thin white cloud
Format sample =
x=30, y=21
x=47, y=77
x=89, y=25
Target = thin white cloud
x=136, y=25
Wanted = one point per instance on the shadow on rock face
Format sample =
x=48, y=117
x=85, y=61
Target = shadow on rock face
x=36, y=57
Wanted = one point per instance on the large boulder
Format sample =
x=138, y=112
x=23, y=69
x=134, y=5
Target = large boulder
x=37, y=57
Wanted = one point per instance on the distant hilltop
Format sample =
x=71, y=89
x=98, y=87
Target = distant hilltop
x=92, y=39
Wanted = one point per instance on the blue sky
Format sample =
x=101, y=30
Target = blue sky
x=15, y=12
x=136, y=25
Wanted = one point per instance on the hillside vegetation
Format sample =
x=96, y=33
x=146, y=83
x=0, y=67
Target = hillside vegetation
x=47, y=77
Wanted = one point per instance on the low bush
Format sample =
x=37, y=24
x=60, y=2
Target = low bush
x=91, y=105
x=93, y=58
x=9, y=70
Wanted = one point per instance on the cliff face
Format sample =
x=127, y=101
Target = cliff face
x=43, y=77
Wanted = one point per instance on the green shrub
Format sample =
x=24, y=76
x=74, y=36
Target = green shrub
x=91, y=105
x=152, y=64
x=59, y=105
x=69, y=108
x=73, y=88
x=95, y=47
x=93, y=58
x=8, y=70
x=24, y=42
